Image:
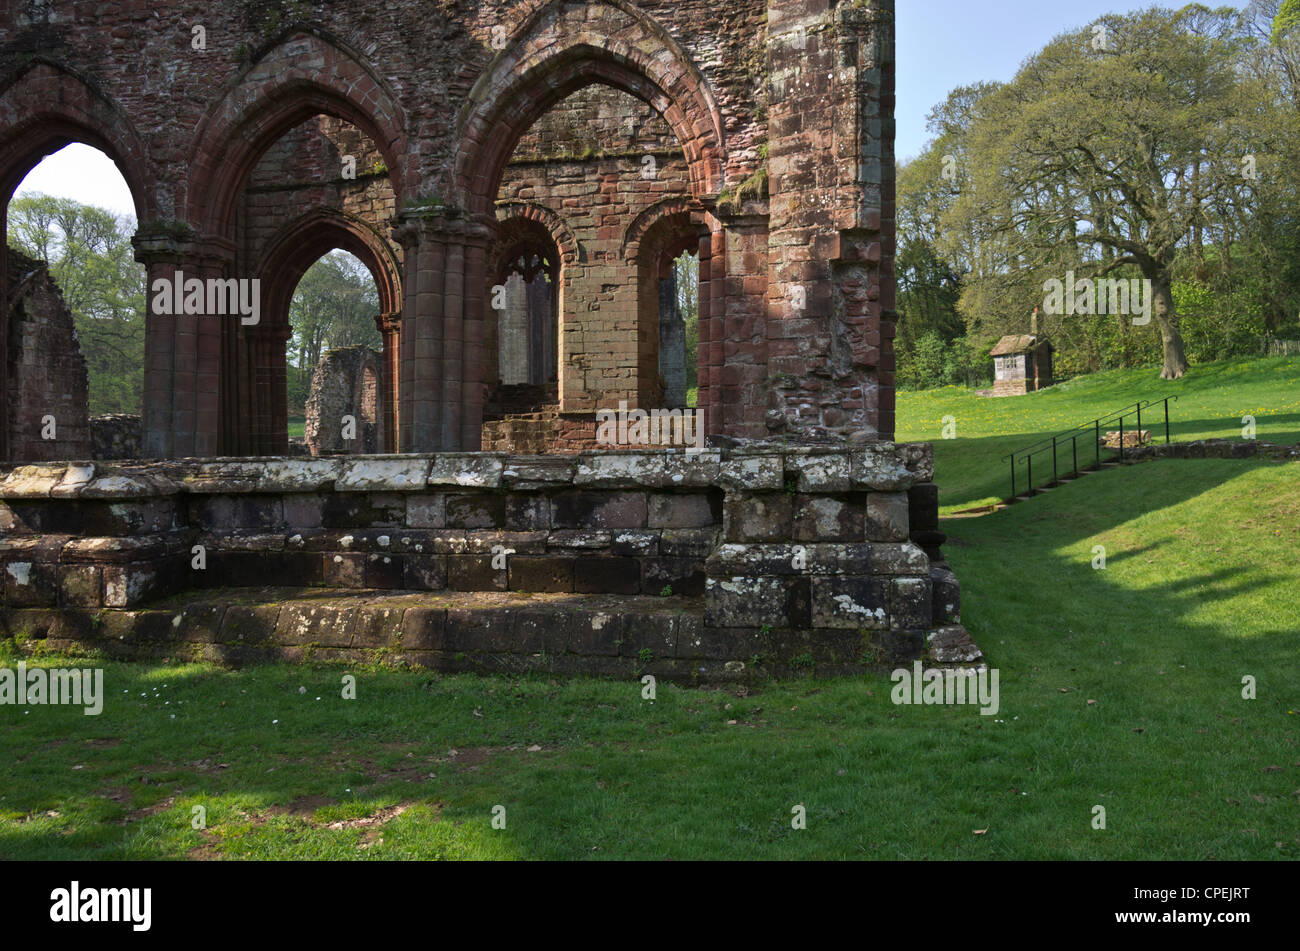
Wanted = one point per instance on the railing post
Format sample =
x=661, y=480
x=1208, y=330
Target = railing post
x=1139, y=428
x=1031, y=451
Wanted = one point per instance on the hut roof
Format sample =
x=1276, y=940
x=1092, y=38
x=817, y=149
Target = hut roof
x=1016, y=343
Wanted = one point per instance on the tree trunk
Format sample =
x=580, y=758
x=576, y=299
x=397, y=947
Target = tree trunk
x=1163, y=310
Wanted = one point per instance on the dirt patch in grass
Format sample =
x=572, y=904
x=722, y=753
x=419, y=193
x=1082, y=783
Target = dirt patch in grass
x=117, y=793
x=207, y=850
x=413, y=773
x=471, y=757
x=384, y=815
x=207, y=765
x=144, y=812
x=304, y=807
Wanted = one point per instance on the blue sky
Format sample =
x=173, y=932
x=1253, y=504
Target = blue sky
x=942, y=44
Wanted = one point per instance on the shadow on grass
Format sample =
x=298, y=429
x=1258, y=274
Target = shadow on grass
x=1137, y=515
x=1119, y=687
x=1137, y=669
x=974, y=469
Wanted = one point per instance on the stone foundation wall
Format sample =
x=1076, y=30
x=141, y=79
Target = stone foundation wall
x=1212, y=449
x=828, y=548
x=1020, y=387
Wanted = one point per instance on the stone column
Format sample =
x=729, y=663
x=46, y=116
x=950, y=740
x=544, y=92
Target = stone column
x=478, y=236
x=185, y=378
x=420, y=379
x=745, y=372
x=441, y=379
x=268, y=425
x=713, y=257
x=390, y=328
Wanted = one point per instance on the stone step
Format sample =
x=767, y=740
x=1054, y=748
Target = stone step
x=484, y=632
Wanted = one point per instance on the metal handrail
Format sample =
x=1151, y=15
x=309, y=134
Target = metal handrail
x=1053, y=442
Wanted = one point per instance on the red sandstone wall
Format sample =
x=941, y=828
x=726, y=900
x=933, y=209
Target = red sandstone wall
x=46, y=372
x=304, y=170
x=444, y=90
x=586, y=161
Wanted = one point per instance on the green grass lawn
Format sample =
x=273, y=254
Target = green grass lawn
x=297, y=426
x=1120, y=688
x=1212, y=399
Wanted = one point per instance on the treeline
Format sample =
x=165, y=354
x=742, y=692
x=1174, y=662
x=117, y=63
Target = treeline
x=1161, y=147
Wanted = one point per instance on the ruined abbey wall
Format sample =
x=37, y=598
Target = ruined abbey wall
x=708, y=566
x=604, y=167
x=47, y=390
x=228, y=119
x=579, y=147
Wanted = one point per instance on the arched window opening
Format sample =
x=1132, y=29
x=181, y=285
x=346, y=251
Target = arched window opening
x=668, y=276
x=524, y=302
x=76, y=299
x=527, y=323
x=335, y=370
x=322, y=186
x=679, y=330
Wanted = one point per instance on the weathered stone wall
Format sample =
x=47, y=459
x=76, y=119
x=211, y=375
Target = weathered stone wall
x=47, y=391
x=116, y=436
x=782, y=110
x=305, y=169
x=599, y=162
x=343, y=406
x=1213, y=449
x=807, y=551
x=831, y=91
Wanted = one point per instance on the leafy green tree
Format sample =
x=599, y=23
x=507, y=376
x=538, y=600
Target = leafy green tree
x=1287, y=20
x=90, y=257
x=1114, y=148
x=687, y=269
x=333, y=306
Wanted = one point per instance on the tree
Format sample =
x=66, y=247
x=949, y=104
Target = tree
x=1112, y=147
x=1287, y=20
x=90, y=257
x=333, y=306
x=687, y=271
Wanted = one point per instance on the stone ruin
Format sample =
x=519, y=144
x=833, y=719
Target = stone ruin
x=116, y=436
x=720, y=566
x=343, y=407
x=576, y=145
x=46, y=390
x=518, y=178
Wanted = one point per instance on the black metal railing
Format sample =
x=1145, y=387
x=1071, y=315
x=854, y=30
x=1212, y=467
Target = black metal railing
x=1054, y=443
